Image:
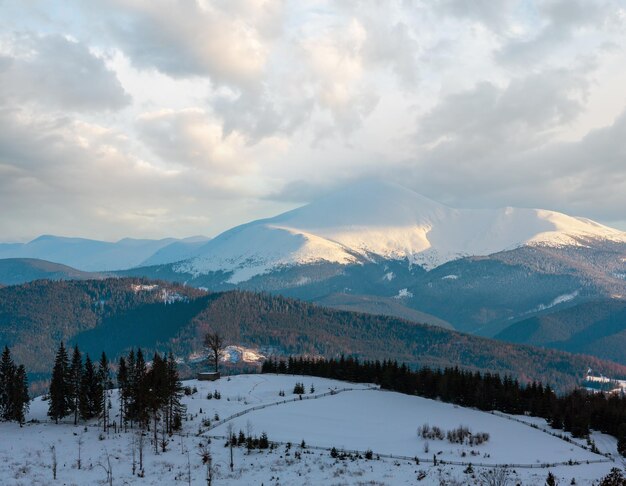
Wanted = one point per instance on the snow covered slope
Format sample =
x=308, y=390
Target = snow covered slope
x=378, y=219
x=352, y=417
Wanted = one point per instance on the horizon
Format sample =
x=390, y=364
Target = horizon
x=208, y=237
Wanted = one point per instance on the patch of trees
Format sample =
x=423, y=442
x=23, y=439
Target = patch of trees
x=576, y=412
x=149, y=395
x=14, y=397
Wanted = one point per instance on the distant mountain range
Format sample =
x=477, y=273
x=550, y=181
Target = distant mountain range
x=94, y=256
x=112, y=315
x=381, y=248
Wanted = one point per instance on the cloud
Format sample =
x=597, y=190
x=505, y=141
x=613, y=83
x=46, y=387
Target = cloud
x=492, y=119
x=58, y=72
x=164, y=117
x=225, y=40
x=191, y=138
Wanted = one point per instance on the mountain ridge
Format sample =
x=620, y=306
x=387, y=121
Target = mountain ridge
x=379, y=220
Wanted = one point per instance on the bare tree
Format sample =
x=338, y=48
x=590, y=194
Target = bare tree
x=108, y=468
x=80, y=446
x=53, y=452
x=497, y=476
x=140, y=446
x=133, y=443
x=215, y=344
x=231, y=434
x=207, y=460
x=188, y=469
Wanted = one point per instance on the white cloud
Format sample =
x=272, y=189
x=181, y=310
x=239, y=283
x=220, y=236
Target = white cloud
x=158, y=117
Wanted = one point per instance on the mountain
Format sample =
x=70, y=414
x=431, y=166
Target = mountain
x=376, y=220
x=113, y=315
x=94, y=255
x=20, y=270
x=479, y=270
x=597, y=327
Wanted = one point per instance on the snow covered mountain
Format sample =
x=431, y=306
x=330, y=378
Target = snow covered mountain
x=377, y=220
x=93, y=255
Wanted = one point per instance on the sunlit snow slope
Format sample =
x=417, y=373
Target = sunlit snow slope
x=378, y=219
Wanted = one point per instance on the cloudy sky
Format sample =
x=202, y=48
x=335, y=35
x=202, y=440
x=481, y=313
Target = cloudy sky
x=153, y=118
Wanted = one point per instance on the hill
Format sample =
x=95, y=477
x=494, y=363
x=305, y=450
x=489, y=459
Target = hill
x=21, y=270
x=597, y=327
x=114, y=314
x=346, y=416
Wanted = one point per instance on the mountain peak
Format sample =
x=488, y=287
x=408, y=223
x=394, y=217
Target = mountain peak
x=379, y=219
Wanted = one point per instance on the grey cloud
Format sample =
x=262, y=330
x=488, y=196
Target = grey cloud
x=223, y=40
x=492, y=146
x=490, y=119
x=63, y=74
x=496, y=15
x=563, y=19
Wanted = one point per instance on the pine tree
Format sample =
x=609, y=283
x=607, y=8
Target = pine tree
x=621, y=439
x=104, y=380
x=75, y=379
x=89, y=400
x=140, y=390
x=7, y=383
x=58, y=406
x=175, y=393
x=20, y=398
x=122, y=389
x=130, y=398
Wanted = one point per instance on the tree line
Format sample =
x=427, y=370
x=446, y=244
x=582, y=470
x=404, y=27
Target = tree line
x=14, y=398
x=576, y=412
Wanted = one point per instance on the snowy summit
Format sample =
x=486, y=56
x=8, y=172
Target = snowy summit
x=373, y=220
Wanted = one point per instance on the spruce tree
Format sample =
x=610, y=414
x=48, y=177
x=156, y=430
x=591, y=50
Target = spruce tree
x=621, y=439
x=174, y=392
x=7, y=383
x=104, y=380
x=75, y=380
x=89, y=401
x=122, y=389
x=130, y=398
x=140, y=390
x=58, y=402
x=20, y=398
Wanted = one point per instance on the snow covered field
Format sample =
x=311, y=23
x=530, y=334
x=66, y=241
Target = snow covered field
x=359, y=418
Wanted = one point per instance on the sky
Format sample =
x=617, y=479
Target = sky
x=155, y=118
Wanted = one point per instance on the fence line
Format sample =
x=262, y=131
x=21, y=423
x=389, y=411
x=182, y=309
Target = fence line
x=408, y=458
x=553, y=434
x=217, y=423
x=427, y=460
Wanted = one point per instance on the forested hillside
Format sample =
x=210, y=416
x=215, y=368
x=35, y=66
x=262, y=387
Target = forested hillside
x=597, y=328
x=115, y=314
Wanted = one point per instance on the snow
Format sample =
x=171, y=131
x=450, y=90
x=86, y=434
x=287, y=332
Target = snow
x=389, y=221
x=561, y=299
x=354, y=416
x=403, y=294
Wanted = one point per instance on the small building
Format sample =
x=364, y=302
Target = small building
x=208, y=376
